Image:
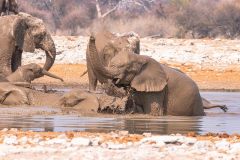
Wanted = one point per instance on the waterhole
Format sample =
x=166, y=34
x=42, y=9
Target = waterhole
x=215, y=121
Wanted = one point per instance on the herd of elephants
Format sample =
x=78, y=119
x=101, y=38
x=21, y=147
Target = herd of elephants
x=112, y=59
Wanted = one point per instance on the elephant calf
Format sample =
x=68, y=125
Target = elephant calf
x=28, y=73
x=79, y=100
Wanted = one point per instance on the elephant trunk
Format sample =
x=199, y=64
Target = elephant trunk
x=46, y=73
x=48, y=46
x=96, y=62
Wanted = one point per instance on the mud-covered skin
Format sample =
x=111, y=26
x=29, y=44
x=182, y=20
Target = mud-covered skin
x=29, y=72
x=108, y=45
x=153, y=83
x=80, y=100
x=23, y=32
x=8, y=6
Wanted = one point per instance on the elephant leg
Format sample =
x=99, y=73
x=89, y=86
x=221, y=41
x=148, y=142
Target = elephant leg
x=208, y=105
x=151, y=102
x=14, y=97
x=16, y=59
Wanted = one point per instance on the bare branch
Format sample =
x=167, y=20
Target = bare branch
x=99, y=12
x=109, y=12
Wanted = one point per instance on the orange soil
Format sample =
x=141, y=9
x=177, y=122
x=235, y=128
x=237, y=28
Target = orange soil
x=206, y=79
x=106, y=137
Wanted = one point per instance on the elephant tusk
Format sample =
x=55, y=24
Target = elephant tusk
x=44, y=72
x=50, y=54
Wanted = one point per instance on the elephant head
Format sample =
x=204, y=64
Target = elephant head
x=37, y=36
x=20, y=32
x=28, y=73
x=129, y=69
x=108, y=45
x=82, y=100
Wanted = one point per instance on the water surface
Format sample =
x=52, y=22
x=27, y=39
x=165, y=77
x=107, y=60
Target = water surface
x=215, y=121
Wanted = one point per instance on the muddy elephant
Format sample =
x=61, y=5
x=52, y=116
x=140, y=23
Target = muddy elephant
x=80, y=100
x=108, y=45
x=23, y=31
x=155, y=88
x=15, y=95
x=29, y=72
x=7, y=6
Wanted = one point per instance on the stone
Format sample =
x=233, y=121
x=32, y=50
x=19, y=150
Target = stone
x=81, y=141
x=10, y=140
x=235, y=148
x=222, y=146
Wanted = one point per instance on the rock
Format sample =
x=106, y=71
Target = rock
x=81, y=141
x=57, y=140
x=222, y=146
x=11, y=140
x=23, y=140
x=188, y=140
x=147, y=134
x=123, y=133
x=204, y=144
x=116, y=146
x=159, y=139
x=96, y=141
x=235, y=148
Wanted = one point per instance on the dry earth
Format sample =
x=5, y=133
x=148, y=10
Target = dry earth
x=213, y=64
x=16, y=144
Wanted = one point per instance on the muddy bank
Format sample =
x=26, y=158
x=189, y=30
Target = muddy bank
x=213, y=64
x=206, y=80
x=118, y=145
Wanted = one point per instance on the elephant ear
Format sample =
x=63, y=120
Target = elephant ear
x=18, y=30
x=151, y=78
x=29, y=45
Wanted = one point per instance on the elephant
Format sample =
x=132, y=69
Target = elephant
x=7, y=6
x=105, y=38
x=154, y=87
x=27, y=73
x=23, y=32
x=78, y=100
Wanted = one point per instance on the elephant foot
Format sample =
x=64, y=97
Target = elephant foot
x=156, y=110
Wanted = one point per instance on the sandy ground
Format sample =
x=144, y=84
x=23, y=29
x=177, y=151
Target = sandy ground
x=207, y=79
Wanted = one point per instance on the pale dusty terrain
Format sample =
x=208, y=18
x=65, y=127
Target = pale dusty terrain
x=213, y=64
x=16, y=144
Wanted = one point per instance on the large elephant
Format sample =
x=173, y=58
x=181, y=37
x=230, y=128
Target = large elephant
x=156, y=88
x=103, y=40
x=27, y=73
x=23, y=31
x=7, y=6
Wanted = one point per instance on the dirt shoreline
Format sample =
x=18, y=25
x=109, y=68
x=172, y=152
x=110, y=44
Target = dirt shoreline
x=206, y=79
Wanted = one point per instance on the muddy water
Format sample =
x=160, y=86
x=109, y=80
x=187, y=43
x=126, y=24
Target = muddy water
x=215, y=121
